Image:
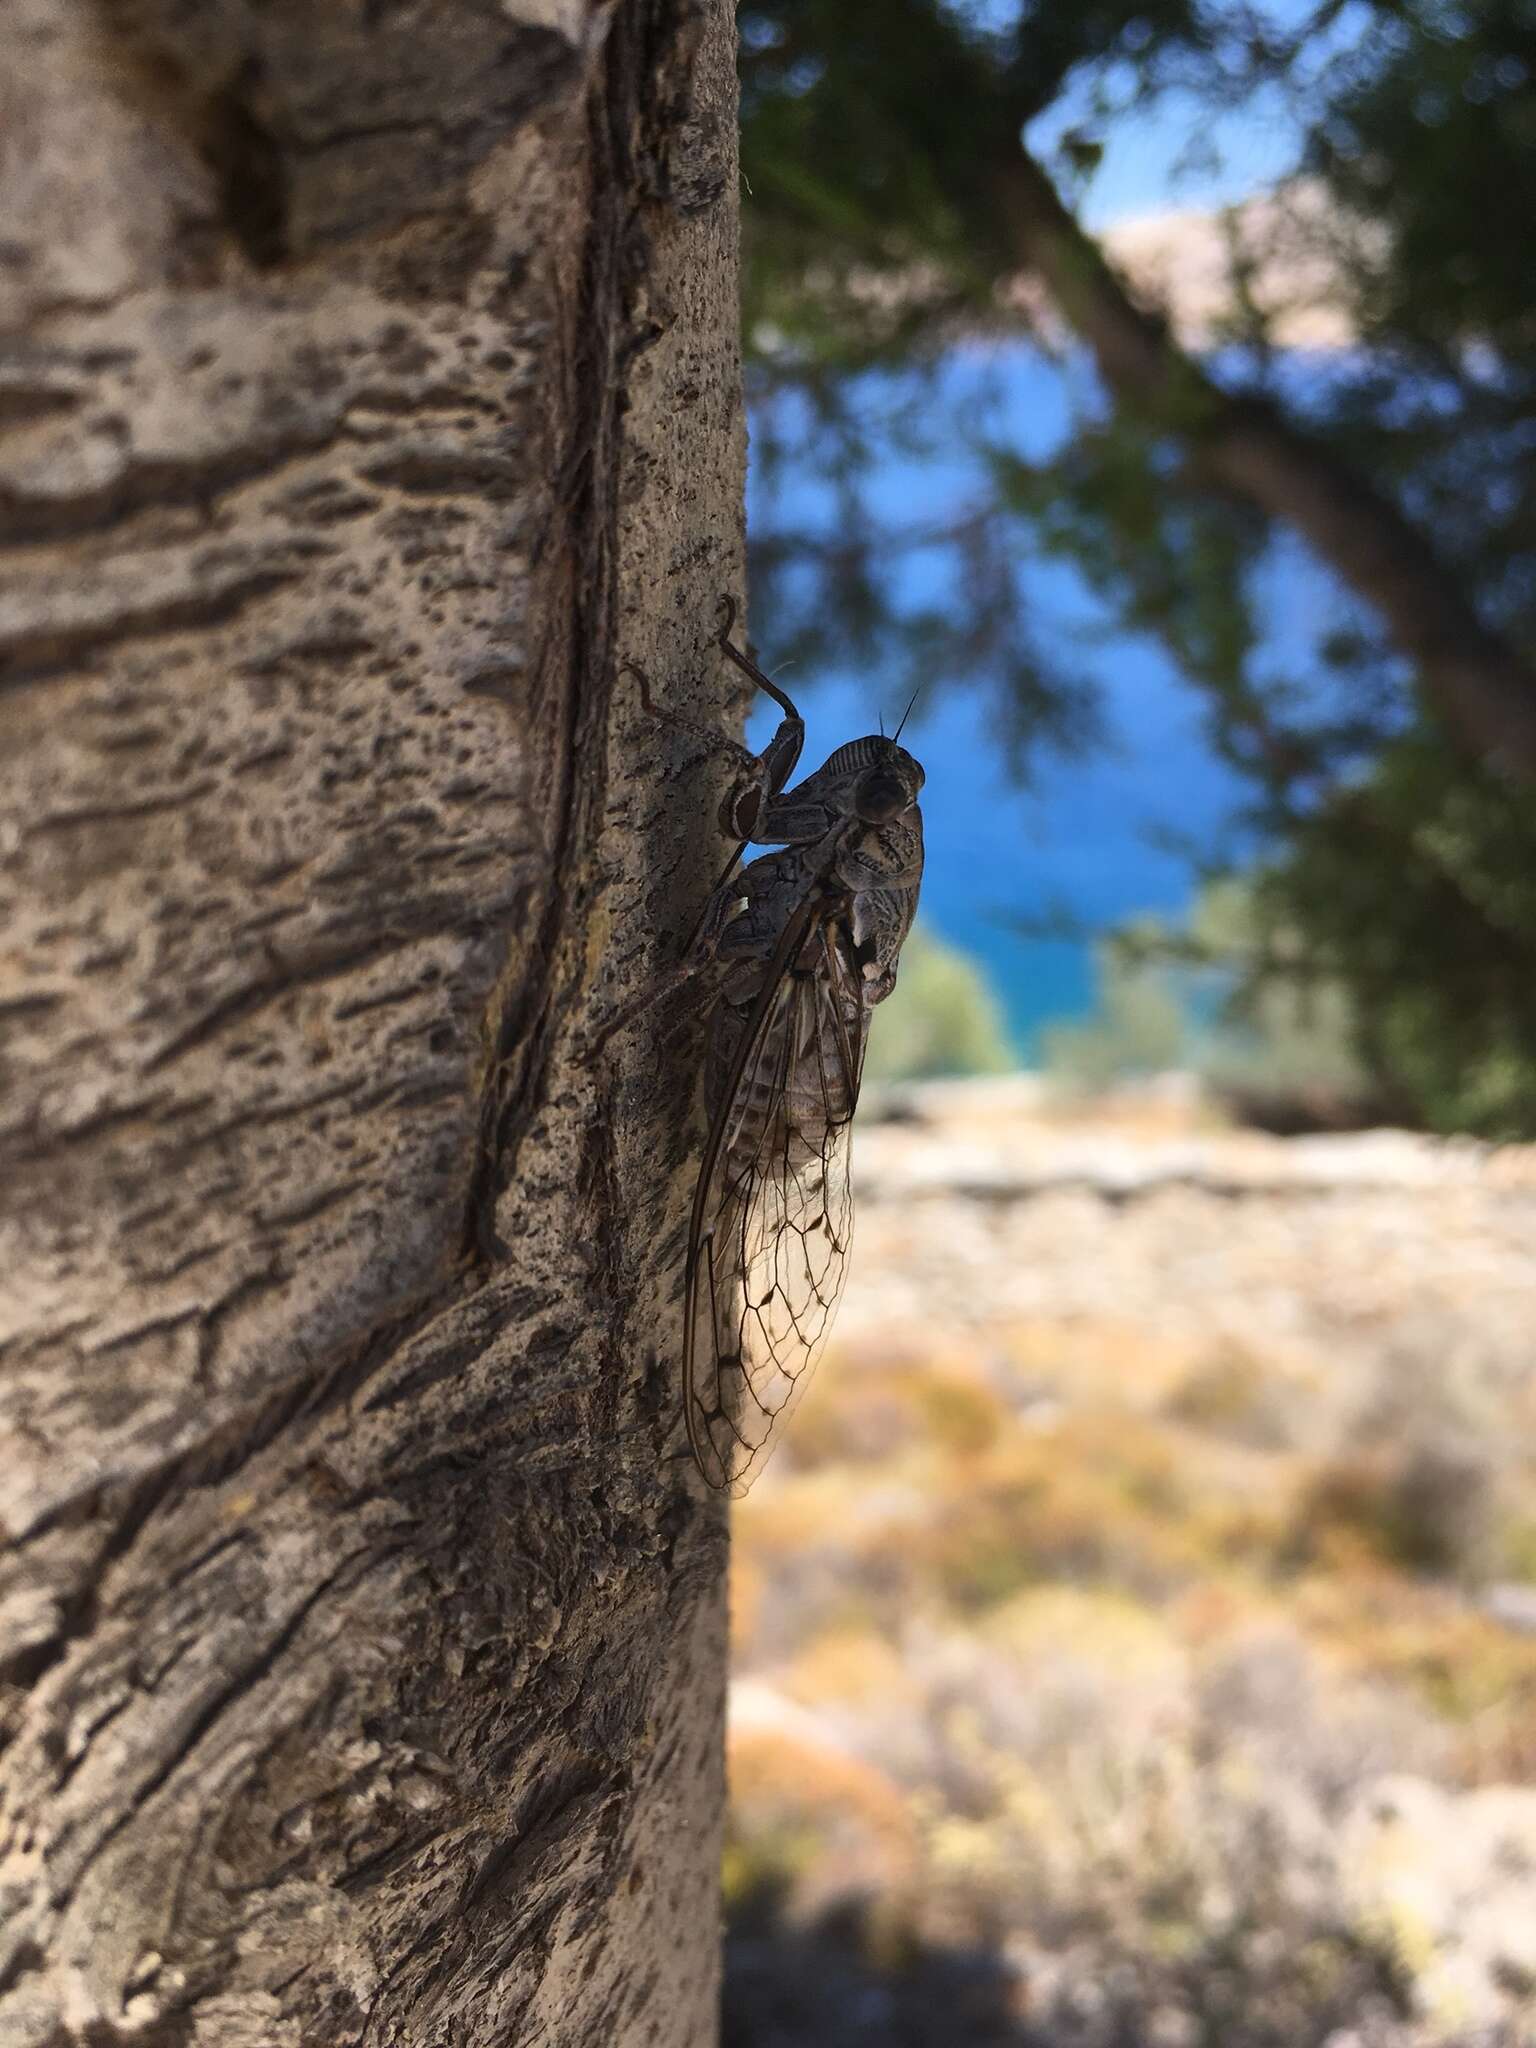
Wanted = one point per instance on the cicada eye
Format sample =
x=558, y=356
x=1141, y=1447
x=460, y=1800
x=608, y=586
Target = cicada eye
x=881, y=796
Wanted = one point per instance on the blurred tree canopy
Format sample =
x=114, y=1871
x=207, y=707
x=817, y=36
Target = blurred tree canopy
x=913, y=169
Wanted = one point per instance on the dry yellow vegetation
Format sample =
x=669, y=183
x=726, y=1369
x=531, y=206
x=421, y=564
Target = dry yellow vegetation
x=1121, y=1666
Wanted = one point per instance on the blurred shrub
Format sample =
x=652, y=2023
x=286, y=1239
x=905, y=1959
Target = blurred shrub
x=1440, y=965
x=1285, y=992
x=942, y=1018
x=1095, y=1705
x=1281, y=1033
x=1446, y=1499
x=871, y=1413
x=1097, y=1498
x=811, y=1820
x=1429, y=1507
x=1466, y=1669
x=1517, y=1548
x=1232, y=1393
x=1138, y=1028
x=960, y=1413
x=1146, y=1842
x=1227, y=997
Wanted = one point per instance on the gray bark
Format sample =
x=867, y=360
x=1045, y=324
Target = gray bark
x=369, y=394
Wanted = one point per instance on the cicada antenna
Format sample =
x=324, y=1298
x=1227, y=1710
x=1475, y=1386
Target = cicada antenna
x=745, y=662
x=896, y=735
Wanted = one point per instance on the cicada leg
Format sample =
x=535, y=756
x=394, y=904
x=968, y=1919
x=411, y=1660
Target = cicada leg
x=747, y=762
x=760, y=778
x=699, y=955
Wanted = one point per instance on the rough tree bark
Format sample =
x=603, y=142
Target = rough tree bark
x=369, y=393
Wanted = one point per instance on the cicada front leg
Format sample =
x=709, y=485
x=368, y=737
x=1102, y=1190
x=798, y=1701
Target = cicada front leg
x=759, y=778
x=744, y=808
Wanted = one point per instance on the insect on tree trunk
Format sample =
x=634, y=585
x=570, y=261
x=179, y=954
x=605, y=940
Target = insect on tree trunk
x=369, y=390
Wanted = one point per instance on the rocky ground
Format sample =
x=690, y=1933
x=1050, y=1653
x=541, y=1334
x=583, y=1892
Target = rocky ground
x=1137, y=1636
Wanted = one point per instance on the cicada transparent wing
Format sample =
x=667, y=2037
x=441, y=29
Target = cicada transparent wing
x=773, y=1213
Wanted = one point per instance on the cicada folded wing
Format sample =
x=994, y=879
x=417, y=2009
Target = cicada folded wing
x=773, y=1214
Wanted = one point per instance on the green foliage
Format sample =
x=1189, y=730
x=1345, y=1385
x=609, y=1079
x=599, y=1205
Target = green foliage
x=942, y=1018
x=874, y=138
x=856, y=165
x=1393, y=921
x=1284, y=1029
x=1437, y=142
x=1229, y=996
x=1416, y=891
x=1287, y=986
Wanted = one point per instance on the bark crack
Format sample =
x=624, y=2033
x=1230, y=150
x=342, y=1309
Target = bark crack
x=244, y=1003
x=243, y=1681
x=588, y=509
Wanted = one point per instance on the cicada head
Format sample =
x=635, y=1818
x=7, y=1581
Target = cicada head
x=888, y=787
x=882, y=780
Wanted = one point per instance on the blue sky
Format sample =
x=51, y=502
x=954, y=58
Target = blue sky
x=1141, y=168
x=1148, y=165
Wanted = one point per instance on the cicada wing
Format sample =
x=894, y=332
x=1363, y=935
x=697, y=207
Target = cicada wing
x=773, y=1216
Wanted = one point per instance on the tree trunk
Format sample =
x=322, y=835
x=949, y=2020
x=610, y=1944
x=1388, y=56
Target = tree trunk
x=370, y=393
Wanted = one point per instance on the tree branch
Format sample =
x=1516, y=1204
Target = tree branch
x=1481, y=685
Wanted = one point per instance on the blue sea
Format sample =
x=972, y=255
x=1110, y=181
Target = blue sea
x=1089, y=836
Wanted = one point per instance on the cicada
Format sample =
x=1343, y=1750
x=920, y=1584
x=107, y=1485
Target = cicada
x=803, y=941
